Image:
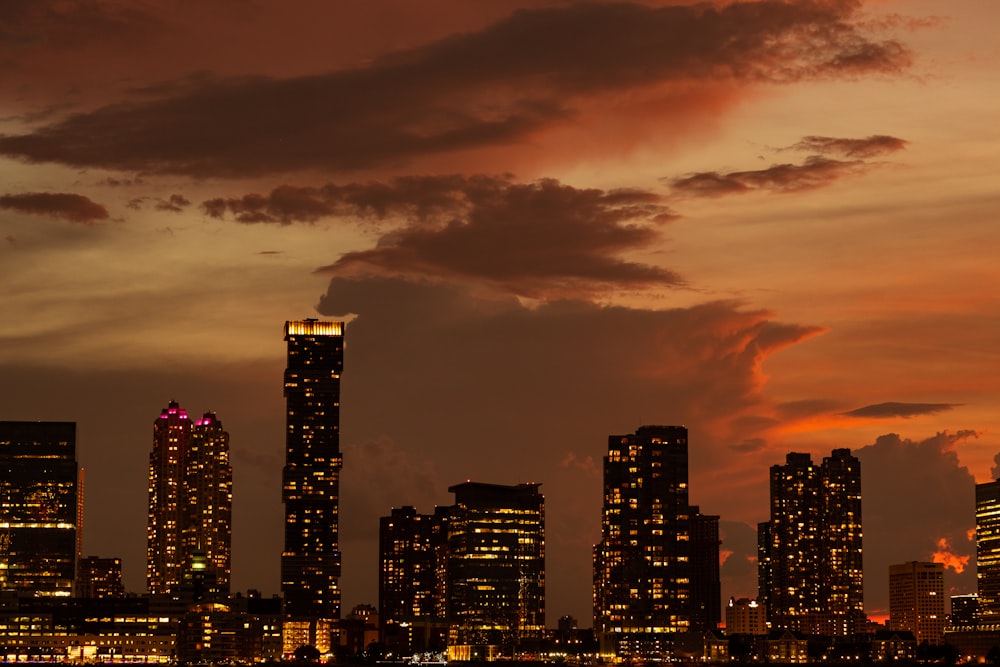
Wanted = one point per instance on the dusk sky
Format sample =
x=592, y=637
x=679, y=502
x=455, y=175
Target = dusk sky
x=776, y=223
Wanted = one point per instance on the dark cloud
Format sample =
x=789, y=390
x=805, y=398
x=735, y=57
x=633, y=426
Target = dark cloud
x=815, y=172
x=906, y=410
x=465, y=91
x=750, y=445
x=72, y=207
x=927, y=482
x=542, y=240
x=496, y=391
x=175, y=203
x=875, y=145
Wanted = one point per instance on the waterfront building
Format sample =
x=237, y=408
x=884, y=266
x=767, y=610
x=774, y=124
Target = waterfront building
x=311, y=559
x=38, y=508
x=656, y=567
x=208, y=487
x=916, y=600
x=988, y=551
x=496, y=570
x=99, y=578
x=809, y=564
x=745, y=617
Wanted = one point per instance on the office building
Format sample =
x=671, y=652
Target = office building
x=809, y=564
x=964, y=611
x=208, y=487
x=496, y=570
x=38, y=508
x=190, y=500
x=656, y=567
x=988, y=551
x=916, y=600
x=412, y=594
x=311, y=560
x=745, y=617
x=99, y=578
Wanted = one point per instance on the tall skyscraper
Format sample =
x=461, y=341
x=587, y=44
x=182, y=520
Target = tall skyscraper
x=988, y=551
x=496, y=570
x=190, y=500
x=38, y=503
x=208, y=489
x=412, y=592
x=916, y=600
x=100, y=578
x=310, y=562
x=656, y=567
x=809, y=564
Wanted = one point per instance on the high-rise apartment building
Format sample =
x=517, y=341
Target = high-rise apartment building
x=988, y=551
x=809, y=563
x=413, y=591
x=916, y=600
x=208, y=489
x=656, y=567
x=190, y=500
x=311, y=560
x=38, y=507
x=496, y=570
x=99, y=578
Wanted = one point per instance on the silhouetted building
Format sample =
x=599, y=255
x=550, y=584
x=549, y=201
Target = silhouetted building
x=413, y=561
x=916, y=600
x=38, y=507
x=809, y=564
x=706, y=580
x=311, y=560
x=496, y=570
x=745, y=617
x=99, y=578
x=988, y=551
x=964, y=611
x=190, y=500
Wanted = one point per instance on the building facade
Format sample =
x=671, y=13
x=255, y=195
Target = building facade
x=745, y=617
x=496, y=570
x=190, y=500
x=38, y=508
x=916, y=600
x=99, y=578
x=311, y=559
x=656, y=567
x=809, y=553
x=988, y=551
x=413, y=591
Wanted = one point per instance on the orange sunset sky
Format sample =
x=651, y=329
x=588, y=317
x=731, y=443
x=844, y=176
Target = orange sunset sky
x=547, y=222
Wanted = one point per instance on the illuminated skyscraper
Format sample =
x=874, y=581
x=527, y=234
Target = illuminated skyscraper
x=916, y=600
x=38, y=476
x=190, y=499
x=208, y=487
x=988, y=551
x=656, y=567
x=310, y=562
x=412, y=591
x=496, y=570
x=100, y=578
x=809, y=564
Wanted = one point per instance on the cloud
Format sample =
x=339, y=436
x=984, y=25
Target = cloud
x=948, y=558
x=175, y=203
x=71, y=207
x=928, y=482
x=469, y=90
x=875, y=145
x=539, y=240
x=905, y=410
x=814, y=173
x=750, y=445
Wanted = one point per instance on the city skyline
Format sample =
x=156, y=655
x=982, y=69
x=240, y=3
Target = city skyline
x=543, y=222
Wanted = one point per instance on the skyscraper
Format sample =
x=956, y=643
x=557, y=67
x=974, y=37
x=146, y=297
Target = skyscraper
x=656, y=567
x=988, y=551
x=165, y=520
x=208, y=489
x=916, y=600
x=38, y=507
x=310, y=562
x=190, y=500
x=496, y=569
x=412, y=591
x=809, y=564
